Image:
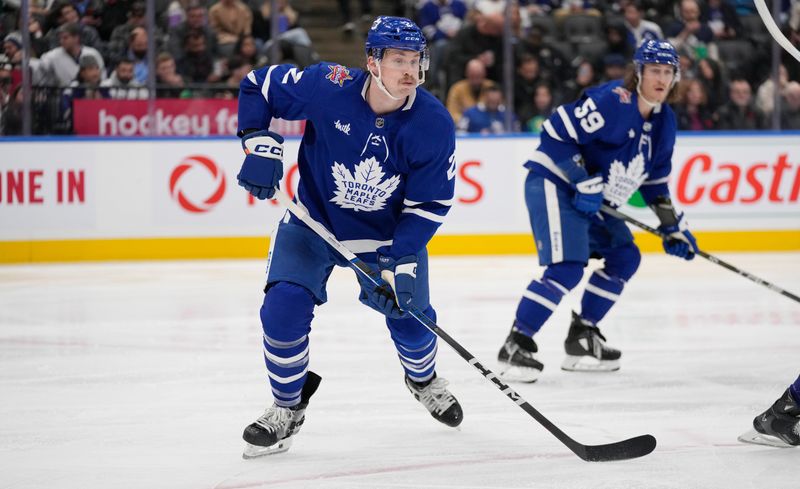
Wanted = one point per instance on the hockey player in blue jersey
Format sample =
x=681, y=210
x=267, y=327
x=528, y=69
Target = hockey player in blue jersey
x=617, y=138
x=377, y=168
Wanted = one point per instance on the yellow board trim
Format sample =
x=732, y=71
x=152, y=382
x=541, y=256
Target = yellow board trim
x=257, y=247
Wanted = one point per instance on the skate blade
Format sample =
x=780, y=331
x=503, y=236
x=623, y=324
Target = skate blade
x=512, y=373
x=757, y=438
x=255, y=451
x=586, y=363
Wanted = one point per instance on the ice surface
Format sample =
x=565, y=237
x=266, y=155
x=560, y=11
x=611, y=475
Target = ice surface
x=143, y=375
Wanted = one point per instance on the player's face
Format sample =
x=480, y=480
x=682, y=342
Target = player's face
x=400, y=71
x=657, y=81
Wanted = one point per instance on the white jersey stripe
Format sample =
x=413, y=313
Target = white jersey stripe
x=553, y=222
x=412, y=203
x=365, y=245
x=267, y=79
x=427, y=215
x=550, y=130
x=656, y=181
x=567, y=123
x=545, y=161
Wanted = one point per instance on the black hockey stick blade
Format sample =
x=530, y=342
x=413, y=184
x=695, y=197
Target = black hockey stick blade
x=622, y=450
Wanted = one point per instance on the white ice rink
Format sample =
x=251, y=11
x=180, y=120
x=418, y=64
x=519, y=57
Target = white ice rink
x=143, y=375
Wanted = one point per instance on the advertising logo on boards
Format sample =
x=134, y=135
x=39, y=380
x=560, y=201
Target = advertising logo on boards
x=193, y=202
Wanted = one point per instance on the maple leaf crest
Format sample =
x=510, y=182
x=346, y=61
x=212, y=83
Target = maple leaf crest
x=364, y=189
x=624, y=181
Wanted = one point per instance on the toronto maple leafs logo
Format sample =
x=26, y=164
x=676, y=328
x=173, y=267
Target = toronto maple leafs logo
x=364, y=189
x=338, y=75
x=622, y=181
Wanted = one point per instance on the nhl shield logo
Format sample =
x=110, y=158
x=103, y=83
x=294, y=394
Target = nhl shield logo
x=624, y=95
x=338, y=75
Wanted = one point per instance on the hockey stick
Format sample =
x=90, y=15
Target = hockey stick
x=713, y=259
x=622, y=450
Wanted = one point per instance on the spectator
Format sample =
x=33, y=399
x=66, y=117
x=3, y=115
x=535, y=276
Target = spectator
x=170, y=83
x=709, y=72
x=692, y=112
x=723, y=20
x=294, y=44
x=121, y=84
x=230, y=19
x=585, y=77
x=137, y=53
x=488, y=116
x=114, y=14
x=59, y=66
x=790, y=115
x=528, y=77
x=6, y=88
x=247, y=50
x=197, y=65
x=238, y=68
x=195, y=21
x=480, y=40
x=740, y=111
x=466, y=93
x=11, y=122
x=543, y=107
x=66, y=13
x=617, y=40
x=552, y=61
x=691, y=32
x=575, y=7
x=440, y=21
x=639, y=29
x=613, y=67
x=87, y=84
x=765, y=95
x=121, y=35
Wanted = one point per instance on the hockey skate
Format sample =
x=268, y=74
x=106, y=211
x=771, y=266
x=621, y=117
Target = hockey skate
x=517, y=360
x=586, y=349
x=778, y=426
x=437, y=400
x=273, y=432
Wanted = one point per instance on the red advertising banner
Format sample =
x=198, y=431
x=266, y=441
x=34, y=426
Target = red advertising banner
x=173, y=117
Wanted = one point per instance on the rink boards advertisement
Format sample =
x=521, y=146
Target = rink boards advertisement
x=74, y=199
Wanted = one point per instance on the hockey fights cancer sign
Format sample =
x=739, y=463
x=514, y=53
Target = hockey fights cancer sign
x=172, y=117
x=153, y=188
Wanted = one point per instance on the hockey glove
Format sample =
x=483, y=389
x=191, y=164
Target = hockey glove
x=588, y=194
x=401, y=275
x=679, y=241
x=262, y=168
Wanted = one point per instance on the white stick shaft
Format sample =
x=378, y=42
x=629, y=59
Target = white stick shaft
x=318, y=228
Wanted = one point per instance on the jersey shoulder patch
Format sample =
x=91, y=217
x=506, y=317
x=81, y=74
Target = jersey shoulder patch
x=338, y=74
x=623, y=95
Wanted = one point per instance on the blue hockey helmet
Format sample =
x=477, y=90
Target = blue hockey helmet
x=659, y=52
x=394, y=33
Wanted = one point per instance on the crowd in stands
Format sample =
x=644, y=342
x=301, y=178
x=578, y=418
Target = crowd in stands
x=99, y=49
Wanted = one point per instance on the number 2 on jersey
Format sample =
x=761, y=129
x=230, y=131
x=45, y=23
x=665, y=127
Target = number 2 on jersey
x=591, y=120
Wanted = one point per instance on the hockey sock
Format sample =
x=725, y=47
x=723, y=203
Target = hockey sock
x=542, y=296
x=416, y=346
x=795, y=390
x=601, y=293
x=606, y=285
x=286, y=320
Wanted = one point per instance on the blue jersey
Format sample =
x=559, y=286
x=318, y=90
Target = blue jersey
x=604, y=133
x=377, y=182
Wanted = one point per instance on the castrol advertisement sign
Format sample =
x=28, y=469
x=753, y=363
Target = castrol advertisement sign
x=148, y=188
